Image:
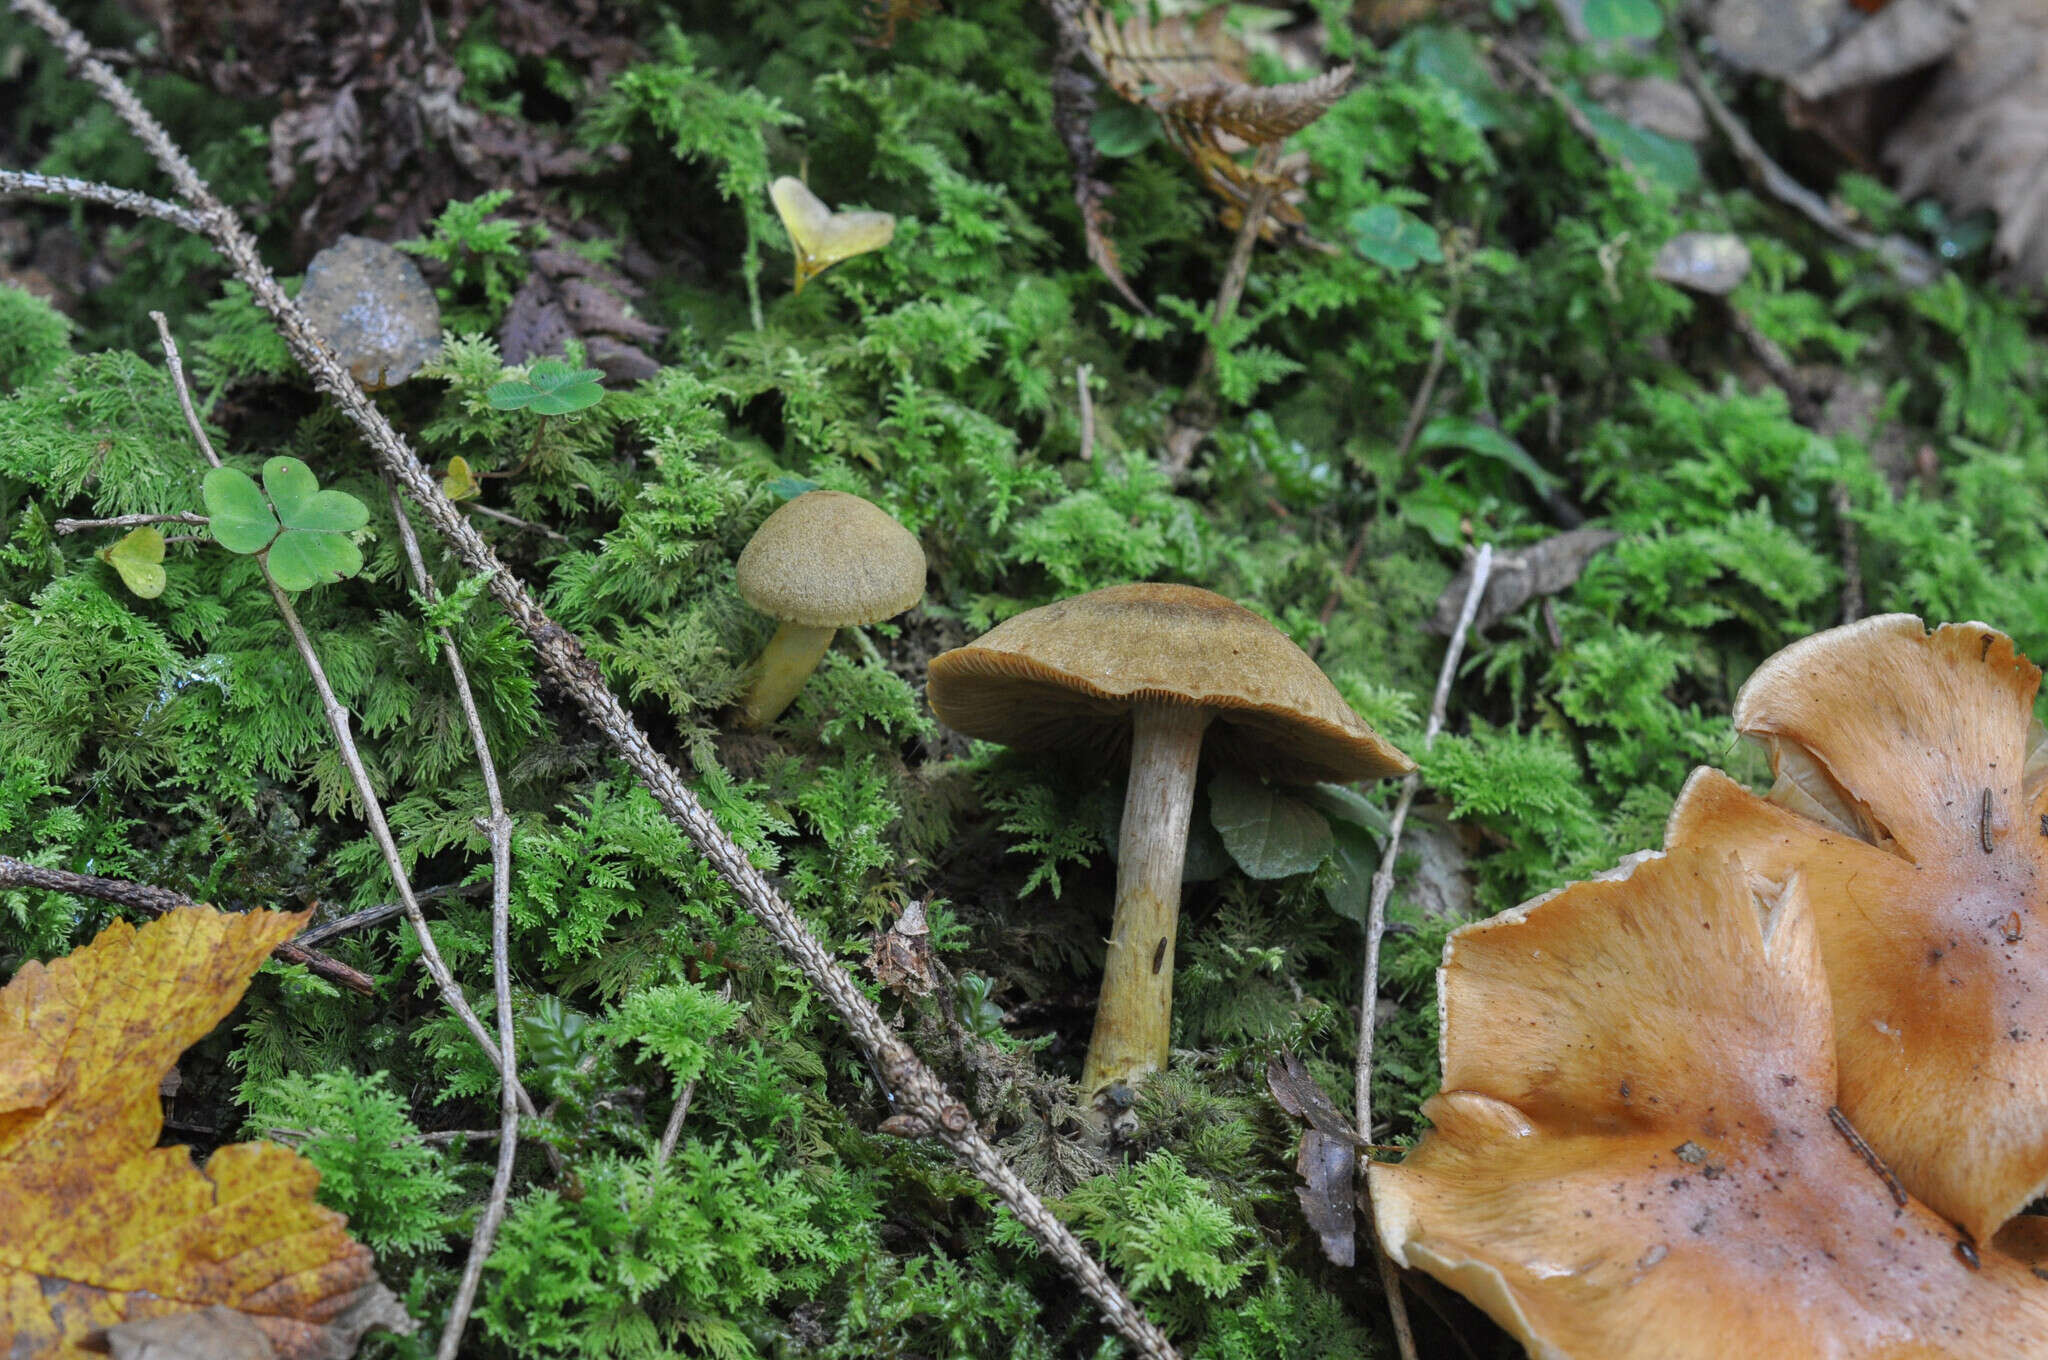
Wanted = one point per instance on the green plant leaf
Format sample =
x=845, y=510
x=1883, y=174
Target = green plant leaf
x=1356, y=857
x=459, y=483
x=1123, y=129
x=138, y=557
x=302, y=506
x=1270, y=834
x=1608, y=20
x=1463, y=432
x=300, y=561
x=239, y=518
x=550, y=388
x=1341, y=803
x=1394, y=238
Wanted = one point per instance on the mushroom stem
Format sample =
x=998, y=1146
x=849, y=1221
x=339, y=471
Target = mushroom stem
x=780, y=671
x=1134, y=1016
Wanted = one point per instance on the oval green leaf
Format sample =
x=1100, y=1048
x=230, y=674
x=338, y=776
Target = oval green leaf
x=138, y=558
x=1270, y=834
x=239, y=518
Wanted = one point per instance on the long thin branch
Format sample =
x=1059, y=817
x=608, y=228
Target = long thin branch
x=74, y=526
x=917, y=1089
x=500, y=823
x=156, y=901
x=28, y=184
x=1376, y=921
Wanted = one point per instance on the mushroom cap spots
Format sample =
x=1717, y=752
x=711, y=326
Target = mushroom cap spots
x=1066, y=675
x=1633, y=1157
x=831, y=560
x=371, y=305
x=1909, y=799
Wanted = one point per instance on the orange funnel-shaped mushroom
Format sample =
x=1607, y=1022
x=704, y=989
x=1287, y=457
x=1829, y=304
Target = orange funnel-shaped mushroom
x=1634, y=1155
x=1909, y=799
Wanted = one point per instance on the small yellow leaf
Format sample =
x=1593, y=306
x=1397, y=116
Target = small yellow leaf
x=102, y=1226
x=459, y=483
x=820, y=237
x=139, y=558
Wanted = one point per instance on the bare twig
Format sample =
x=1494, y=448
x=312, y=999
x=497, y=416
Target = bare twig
x=917, y=1090
x=1184, y=441
x=1573, y=114
x=1376, y=919
x=438, y=1138
x=156, y=901
x=673, y=1134
x=500, y=827
x=74, y=526
x=1908, y=263
x=362, y=920
x=380, y=831
x=28, y=184
x=176, y=365
x=1411, y=428
x=1081, y=376
x=1852, y=554
x=514, y=521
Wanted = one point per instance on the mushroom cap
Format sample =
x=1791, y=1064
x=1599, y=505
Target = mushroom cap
x=1911, y=798
x=1633, y=1156
x=1067, y=674
x=831, y=560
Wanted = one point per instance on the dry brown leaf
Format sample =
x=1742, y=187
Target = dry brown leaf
x=1192, y=74
x=1520, y=576
x=104, y=1227
x=1328, y=1161
x=901, y=956
x=1980, y=138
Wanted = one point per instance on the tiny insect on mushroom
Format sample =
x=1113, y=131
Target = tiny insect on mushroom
x=1154, y=665
x=1911, y=788
x=824, y=561
x=1635, y=1154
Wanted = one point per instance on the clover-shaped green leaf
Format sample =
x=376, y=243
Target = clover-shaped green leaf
x=550, y=388
x=459, y=483
x=302, y=531
x=138, y=557
x=1394, y=238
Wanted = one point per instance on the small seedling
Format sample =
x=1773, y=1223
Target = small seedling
x=138, y=557
x=301, y=533
x=1394, y=238
x=821, y=237
x=459, y=483
x=550, y=388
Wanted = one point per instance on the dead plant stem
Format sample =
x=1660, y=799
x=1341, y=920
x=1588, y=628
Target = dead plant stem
x=500, y=828
x=1376, y=921
x=156, y=901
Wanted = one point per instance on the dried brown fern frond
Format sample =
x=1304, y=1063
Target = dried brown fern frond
x=1193, y=75
x=884, y=16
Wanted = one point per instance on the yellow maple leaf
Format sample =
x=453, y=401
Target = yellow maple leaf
x=104, y=1227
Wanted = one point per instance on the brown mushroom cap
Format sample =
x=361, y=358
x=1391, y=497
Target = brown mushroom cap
x=831, y=560
x=1065, y=675
x=1634, y=1158
x=1908, y=799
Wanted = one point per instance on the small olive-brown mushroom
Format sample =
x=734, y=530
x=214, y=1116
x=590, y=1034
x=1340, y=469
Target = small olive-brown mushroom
x=824, y=561
x=1154, y=665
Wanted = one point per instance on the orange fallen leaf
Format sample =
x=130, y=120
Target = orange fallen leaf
x=104, y=1227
